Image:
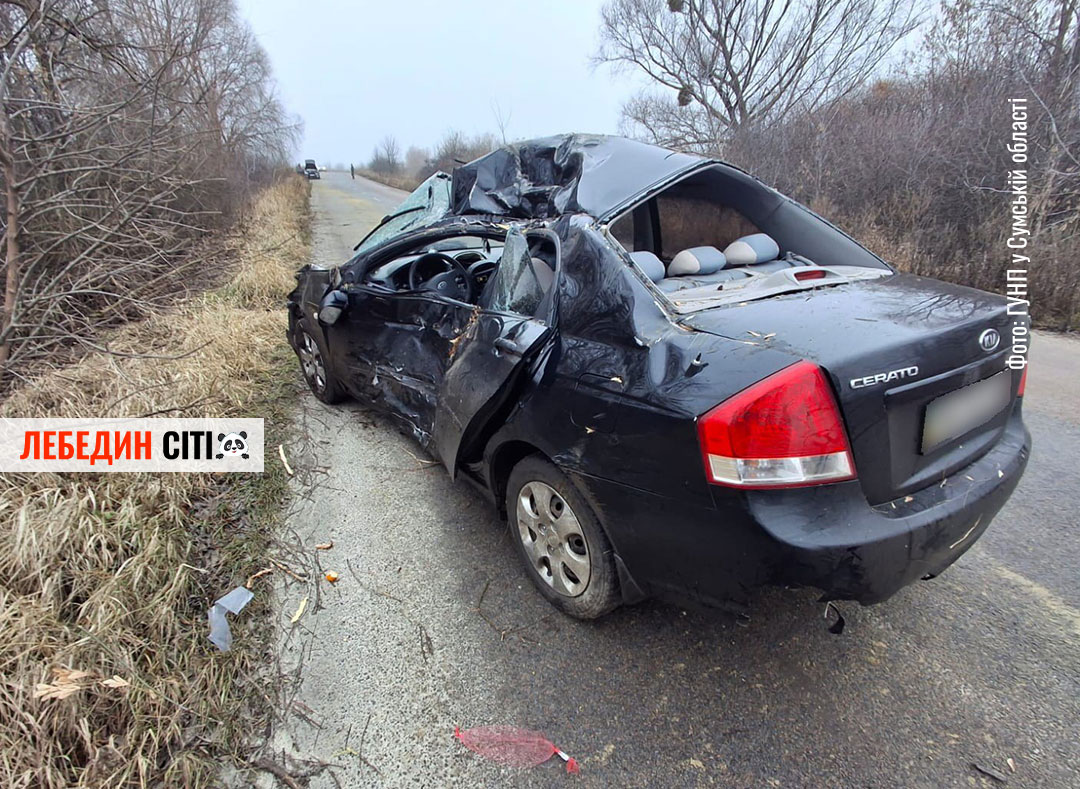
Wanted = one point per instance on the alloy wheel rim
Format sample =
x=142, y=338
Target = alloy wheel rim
x=553, y=539
x=311, y=362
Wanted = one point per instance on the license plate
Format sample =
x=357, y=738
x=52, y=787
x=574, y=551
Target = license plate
x=964, y=409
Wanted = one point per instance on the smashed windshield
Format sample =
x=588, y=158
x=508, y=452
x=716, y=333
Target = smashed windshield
x=428, y=202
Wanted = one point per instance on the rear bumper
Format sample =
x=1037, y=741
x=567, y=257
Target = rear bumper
x=827, y=537
x=852, y=551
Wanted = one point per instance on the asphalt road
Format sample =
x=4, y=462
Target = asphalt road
x=433, y=624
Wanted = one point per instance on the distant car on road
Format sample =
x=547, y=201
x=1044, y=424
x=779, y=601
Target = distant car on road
x=671, y=379
x=310, y=170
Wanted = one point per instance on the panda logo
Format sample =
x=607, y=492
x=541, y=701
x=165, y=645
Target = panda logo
x=232, y=444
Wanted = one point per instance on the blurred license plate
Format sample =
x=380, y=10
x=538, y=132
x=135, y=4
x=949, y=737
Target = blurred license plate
x=959, y=411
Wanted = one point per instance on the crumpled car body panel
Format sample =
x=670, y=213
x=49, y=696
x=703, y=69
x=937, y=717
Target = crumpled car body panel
x=567, y=174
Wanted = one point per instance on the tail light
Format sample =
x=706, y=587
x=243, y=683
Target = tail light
x=784, y=431
x=1023, y=382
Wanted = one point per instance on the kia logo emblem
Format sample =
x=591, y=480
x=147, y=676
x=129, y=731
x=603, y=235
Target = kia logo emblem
x=989, y=340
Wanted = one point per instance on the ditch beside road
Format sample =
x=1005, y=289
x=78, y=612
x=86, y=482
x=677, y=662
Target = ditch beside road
x=434, y=624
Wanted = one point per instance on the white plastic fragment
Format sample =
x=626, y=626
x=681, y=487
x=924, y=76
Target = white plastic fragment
x=233, y=603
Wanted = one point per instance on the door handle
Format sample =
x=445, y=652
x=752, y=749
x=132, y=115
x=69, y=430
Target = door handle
x=509, y=347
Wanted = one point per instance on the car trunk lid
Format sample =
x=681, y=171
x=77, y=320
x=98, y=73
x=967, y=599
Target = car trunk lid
x=890, y=348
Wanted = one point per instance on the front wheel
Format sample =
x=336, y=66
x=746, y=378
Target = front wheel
x=320, y=378
x=558, y=536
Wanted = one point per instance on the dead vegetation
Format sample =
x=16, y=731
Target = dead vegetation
x=112, y=574
x=403, y=181
x=898, y=135
x=130, y=131
x=419, y=164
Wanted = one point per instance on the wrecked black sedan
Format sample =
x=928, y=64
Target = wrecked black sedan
x=671, y=379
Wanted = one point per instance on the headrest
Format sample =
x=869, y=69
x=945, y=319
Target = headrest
x=698, y=260
x=649, y=263
x=748, y=250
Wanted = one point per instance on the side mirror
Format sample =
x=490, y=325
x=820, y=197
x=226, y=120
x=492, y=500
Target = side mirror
x=331, y=307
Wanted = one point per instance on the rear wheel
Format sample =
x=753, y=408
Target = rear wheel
x=559, y=538
x=324, y=384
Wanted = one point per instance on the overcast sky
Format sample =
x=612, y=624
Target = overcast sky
x=355, y=71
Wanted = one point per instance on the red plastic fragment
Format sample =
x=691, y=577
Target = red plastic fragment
x=512, y=747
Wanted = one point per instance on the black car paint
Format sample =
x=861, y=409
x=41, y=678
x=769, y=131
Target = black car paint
x=877, y=326
x=567, y=174
x=612, y=396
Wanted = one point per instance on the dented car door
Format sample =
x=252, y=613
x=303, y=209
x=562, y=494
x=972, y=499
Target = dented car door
x=511, y=324
x=397, y=345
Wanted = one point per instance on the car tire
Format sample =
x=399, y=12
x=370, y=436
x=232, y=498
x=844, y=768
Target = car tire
x=311, y=351
x=560, y=540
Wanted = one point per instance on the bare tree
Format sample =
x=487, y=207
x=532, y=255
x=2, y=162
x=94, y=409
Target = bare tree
x=128, y=130
x=915, y=163
x=391, y=153
x=502, y=121
x=456, y=148
x=735, y=63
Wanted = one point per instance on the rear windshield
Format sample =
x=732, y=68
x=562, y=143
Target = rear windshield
x=687, y=222
x=719, y=205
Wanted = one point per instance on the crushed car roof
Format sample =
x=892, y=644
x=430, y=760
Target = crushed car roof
x=565, y=174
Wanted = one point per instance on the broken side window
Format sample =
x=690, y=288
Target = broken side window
x=524, y=275
x=424, y=205
x=634, y=229
x=623, y=231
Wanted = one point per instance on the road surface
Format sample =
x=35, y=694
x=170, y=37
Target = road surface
x=434, y=625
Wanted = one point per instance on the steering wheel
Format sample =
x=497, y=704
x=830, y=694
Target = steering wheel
x=448, y=277
x=481, y=271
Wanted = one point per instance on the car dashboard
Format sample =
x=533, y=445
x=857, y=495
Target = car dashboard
x=394, y=274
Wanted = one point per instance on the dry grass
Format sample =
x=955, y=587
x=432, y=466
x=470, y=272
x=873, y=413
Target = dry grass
x=112, y=574
x=398, y=181
x=897, y=234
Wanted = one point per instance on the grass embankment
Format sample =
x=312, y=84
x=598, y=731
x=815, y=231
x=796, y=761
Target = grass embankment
x=112, y=574
x=398, y=181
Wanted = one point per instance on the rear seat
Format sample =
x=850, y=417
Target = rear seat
x=672, y=284
x=650, y=264
x=700, y=266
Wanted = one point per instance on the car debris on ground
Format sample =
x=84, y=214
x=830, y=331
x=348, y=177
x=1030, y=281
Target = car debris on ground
x=511, y=746
x=233, y=603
